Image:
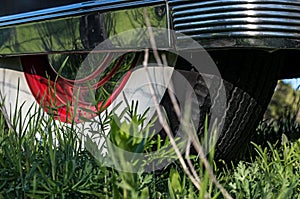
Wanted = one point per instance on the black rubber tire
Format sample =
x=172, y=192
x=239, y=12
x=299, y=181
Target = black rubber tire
x=250, y=78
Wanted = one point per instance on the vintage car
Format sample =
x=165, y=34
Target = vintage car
x=252, y=42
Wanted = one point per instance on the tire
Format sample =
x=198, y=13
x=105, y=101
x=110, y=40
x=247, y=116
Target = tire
x=249, y=78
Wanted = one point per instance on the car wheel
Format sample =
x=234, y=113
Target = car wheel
x=250, y=78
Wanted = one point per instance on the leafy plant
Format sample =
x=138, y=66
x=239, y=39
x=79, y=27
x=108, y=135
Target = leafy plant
x=273, y=173
x=42, y=158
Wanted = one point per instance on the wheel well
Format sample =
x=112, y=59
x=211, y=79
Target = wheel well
x=290, y=66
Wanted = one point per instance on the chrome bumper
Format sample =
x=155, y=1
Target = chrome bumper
x=215, y=24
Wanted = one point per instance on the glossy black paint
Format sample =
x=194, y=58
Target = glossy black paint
x=9, y=7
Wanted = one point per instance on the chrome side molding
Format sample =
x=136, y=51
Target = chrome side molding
x=78, y=28
x=74, y=10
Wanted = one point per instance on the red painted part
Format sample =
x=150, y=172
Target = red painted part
x=56, y=94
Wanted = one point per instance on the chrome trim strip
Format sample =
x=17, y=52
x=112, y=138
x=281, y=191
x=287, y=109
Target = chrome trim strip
x=171, y=42
x=184, y=4
x=243, y=27
x=236, y=21
x=242, y=34
x=229, y=8
x=74, y=9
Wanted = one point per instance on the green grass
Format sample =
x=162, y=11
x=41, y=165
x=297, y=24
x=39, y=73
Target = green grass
x=273, y=173
x=57, y=166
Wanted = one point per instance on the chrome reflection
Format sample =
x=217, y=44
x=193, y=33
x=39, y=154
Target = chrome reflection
x=73, y=9
x=238, y=23
x=82, y=32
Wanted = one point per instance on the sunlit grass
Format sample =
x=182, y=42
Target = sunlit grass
x=55, y=165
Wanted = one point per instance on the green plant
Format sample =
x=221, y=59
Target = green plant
x=50, y=162
x=42, y=158
x=274, y=173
